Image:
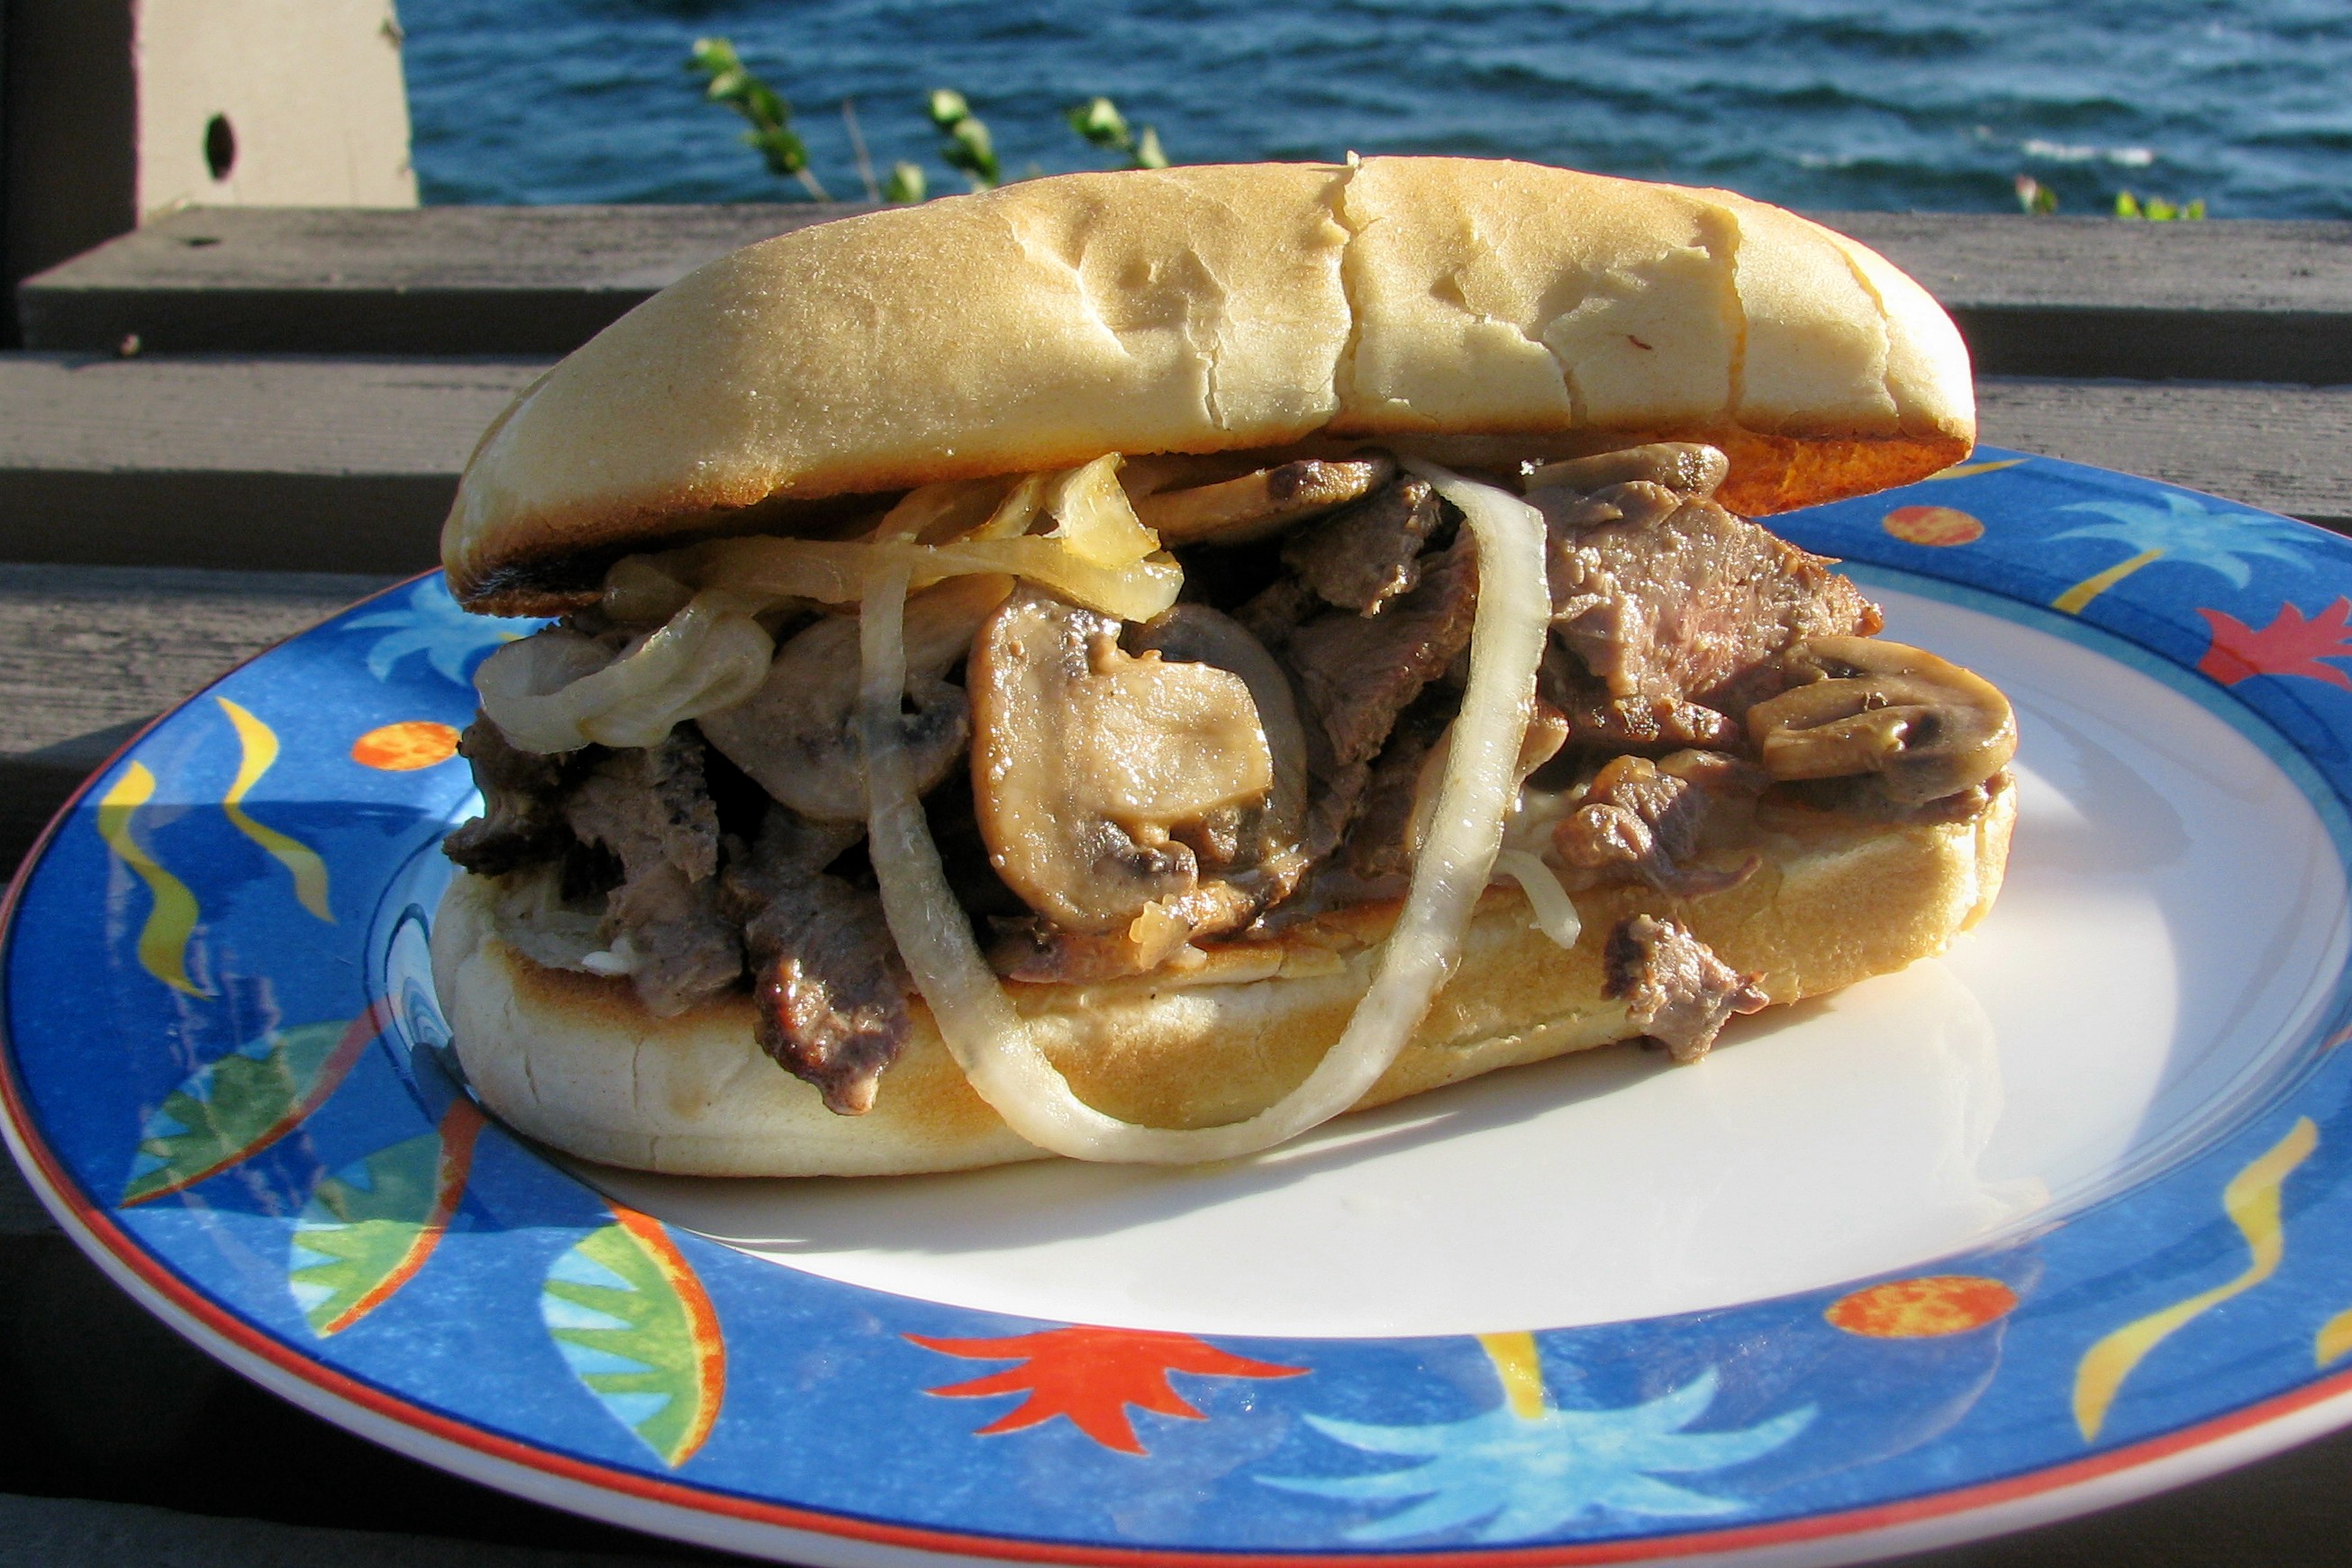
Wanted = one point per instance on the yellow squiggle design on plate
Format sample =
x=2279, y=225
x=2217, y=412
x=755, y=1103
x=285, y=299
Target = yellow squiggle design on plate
x=164, y=940
x=1519, y=1367
x=2252, y=1202
x=1962, y=470
x=2333, y=1338
x=259, y=745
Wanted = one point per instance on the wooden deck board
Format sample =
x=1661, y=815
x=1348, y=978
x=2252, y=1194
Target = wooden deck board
x=2079, y=296
x=348, y=465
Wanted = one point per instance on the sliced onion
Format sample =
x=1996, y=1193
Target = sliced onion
x=987, y=1037
x=833, y=572
x=1015, y=512
x=1555, y=912
x=1097, y=522
x=709, y=655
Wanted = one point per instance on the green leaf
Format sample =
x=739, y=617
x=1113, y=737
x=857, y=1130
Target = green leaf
x=785, y=152
x=2194, y=210
x=969, y=149
x=2128, y=205
x=714, y=55
x=1148, y=154
x=1100, y=122
x=906, y=184
x=631, y=1321
x=765, y=107
x=231, y=1109
x=946, y=107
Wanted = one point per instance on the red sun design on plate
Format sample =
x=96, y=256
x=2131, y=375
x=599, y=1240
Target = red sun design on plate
x=405, y=746
x=1092, y=1376
x=1936, y=526
x=1925, y=1307
x=2292, y=644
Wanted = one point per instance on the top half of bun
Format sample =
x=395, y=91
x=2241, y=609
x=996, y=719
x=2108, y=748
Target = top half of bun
x=1213, y=308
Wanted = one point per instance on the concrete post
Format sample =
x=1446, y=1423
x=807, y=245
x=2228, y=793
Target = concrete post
x=117, y=110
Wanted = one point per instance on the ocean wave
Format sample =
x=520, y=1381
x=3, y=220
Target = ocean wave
x=2066, y=153
x=1820, y=102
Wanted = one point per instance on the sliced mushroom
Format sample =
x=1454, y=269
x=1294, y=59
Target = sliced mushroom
x=797, y=734
x=1263, y=502
x=1686, y=467
x=1196, y=634
x=1088, y=762
x=1862, y=705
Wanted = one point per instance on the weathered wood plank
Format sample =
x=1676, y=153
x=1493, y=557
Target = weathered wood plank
x=2236, y=299
x=348, y=465
x=436, y=280
x=67, y=1533
x=2286, y=449
x=320, y=465
x=2226, y=301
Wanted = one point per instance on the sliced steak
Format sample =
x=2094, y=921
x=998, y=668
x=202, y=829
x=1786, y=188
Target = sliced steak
x=829, y=991
x=1360, y=558
x=649, y=807
x=522, y=804
x=1691, y=604
x=1381, y=844
x=1679, y=993
x=1357, y=673
x=1651, y=726
x=1647, y=819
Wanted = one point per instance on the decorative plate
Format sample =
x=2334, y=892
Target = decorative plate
x=2055, y=1220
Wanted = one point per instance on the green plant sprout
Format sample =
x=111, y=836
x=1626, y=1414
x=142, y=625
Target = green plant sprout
x=2157, y=210
x=969, y=148
x=2036, y=198
x=770, y=116
x=1100, y=121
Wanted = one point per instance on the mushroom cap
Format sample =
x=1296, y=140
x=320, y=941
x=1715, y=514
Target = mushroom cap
x=1928, y=727
x=1437, y=302
x=1086, y=759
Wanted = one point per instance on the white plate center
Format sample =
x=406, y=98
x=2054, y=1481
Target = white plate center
x=2174, y=917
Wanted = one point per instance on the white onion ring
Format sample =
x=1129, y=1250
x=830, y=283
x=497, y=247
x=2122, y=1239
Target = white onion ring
x=989, y=1040
x=709, y=655
x=1555, y=912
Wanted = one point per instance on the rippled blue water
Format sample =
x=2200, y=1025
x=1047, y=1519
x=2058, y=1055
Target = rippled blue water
x=1814, y=103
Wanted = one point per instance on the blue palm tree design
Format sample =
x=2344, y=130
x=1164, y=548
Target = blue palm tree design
x=2184, y=531
x=432, y=624
x=1528, y=1467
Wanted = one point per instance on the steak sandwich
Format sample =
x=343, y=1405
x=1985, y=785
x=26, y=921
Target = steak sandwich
x=1132, y=665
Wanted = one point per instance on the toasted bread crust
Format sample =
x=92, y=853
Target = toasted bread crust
x=1414, y=302
x=571, y=1059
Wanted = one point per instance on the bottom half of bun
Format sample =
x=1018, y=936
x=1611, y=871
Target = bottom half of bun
x=572, y=1060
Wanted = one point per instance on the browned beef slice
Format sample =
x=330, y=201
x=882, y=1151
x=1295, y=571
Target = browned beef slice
x=828, y=988
x=1278, y=610
x=1654, y=725
x=1357, y=673
x=1694, y=604
x=1679, y=993
x=649, y=807
x=1378, y=844
x=1369, y=554
x=1647, y=819
x=522, y=815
